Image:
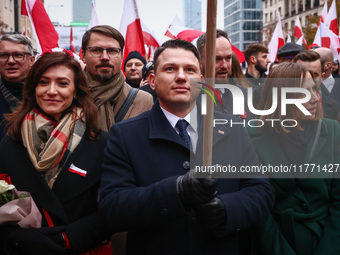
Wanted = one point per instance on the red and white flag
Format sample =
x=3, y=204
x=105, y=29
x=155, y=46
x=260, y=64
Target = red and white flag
x=150, y=40
x=277, y=40
x=45, y=33
x=301, y=41
x=324, y=12
x=72, y=46
x=298, y=30
x=324, y=37
x=131, y=29
x=331, y=19
x=191, y=35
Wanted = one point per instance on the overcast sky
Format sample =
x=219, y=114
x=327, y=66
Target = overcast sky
x=155, y=14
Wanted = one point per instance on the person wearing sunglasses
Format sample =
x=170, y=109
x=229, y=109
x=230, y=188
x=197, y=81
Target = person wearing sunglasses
x=16, y=59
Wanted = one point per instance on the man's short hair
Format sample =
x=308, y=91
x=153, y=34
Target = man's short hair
x=254, y=49
x=103, y=29
x=201, y=41
x=20, y=39
x=309, y=56
x=175, y=44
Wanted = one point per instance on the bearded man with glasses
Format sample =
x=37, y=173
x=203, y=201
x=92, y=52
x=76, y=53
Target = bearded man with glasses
x=16, y=59
x=102, y=50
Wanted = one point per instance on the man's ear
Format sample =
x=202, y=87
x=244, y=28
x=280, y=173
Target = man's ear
x=32, y=60
x=152, y=81
x=253, y=59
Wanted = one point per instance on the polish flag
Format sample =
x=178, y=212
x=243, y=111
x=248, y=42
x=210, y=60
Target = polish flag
x=277, y=40
x=191, y=35
x=131, y=29
x=76, y=170
x=298, y=31
x=324, y=37
x=331, y=19
x=150, y=40
x=324, y=12
x=45, y=33
x=72, y=46
x=301, y=40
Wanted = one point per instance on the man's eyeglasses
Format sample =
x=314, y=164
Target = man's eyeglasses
x=98, y=51
x=17, y=56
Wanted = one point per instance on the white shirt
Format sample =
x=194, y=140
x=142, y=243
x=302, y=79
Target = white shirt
x=191, y=128
x=329, y=83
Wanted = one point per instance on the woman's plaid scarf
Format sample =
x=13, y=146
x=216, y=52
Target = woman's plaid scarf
x=50, y=143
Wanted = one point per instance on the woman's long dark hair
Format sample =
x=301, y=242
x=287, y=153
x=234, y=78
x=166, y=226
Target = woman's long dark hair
x=83, y=98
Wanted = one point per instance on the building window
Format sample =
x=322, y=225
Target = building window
x=11, y=5
x=6, y=3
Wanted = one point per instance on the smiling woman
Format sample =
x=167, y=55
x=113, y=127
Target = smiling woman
x=305, y=218
x=51, y=135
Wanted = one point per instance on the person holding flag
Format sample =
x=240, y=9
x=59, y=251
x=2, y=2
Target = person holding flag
x=153, y=193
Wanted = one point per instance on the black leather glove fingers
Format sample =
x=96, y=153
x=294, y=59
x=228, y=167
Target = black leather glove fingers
x=32, y=241
x=194, y=191
x=212, y=215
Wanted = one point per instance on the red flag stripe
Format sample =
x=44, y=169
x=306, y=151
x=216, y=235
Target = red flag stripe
x=45, y=32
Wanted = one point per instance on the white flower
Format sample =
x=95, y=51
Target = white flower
x=4, y=186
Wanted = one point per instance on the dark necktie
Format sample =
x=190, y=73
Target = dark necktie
x=182, y=126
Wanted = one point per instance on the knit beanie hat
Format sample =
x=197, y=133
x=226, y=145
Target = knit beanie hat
x=134, y=54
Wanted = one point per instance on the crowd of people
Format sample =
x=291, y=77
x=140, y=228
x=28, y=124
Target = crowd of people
x=109, y=149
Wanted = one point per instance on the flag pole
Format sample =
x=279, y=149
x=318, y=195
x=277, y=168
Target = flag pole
x=210, y=75
x=25, y=18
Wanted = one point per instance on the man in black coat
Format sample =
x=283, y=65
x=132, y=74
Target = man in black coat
x=222, y=68
x=312, y=61
x=16, y=59
x=148, y=186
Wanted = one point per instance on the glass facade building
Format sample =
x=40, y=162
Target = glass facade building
x=82, y=10
x=243, y=22
x=192, y=14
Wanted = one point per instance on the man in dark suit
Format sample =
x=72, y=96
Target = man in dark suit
x=312, y=61
x=222, y=68
x=149, y=188
x=16, y=59
x=332, y=84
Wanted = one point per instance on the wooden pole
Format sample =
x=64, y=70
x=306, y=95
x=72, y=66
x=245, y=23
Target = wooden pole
x=26, y=24
x=210, y=79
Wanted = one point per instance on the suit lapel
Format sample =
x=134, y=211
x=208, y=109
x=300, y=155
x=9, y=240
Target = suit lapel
x=160, y=128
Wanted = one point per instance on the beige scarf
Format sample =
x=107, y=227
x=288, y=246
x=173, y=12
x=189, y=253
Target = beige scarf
x=105, y=97
x=50, y=143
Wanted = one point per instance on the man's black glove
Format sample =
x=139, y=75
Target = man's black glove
x=194, y=191
x=212, y=215
x=36, y=241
